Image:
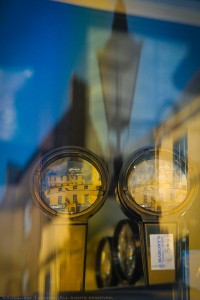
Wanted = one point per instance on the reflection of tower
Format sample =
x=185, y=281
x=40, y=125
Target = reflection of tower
x=75, y=127
x=78, y=114
x=71, y=129
x=18, y=214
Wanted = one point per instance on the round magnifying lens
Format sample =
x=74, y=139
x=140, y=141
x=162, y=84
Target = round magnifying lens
x=70, y=182
x=127, y=254
x=105, y=275
x=156, y=181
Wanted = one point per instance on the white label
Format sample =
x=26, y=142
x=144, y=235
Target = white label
x=162, y=252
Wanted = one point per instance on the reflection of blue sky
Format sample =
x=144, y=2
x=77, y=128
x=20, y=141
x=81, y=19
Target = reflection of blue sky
x=169, y=60
x=64, y=167
x=43, y=42
x=155, y=83
x=36, y=63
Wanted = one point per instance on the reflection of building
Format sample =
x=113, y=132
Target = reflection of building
x=21, y=222
x=180, y=132
x=72, y=192
x=158, y=185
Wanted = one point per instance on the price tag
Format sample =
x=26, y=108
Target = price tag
x=162, y=252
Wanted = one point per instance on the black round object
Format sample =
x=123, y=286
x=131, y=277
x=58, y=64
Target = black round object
x=127, y=251
x=105, y=274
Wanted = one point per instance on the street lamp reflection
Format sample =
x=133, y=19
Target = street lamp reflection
x=118, y=64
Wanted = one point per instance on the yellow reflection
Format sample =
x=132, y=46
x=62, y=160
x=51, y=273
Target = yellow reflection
x=146, y=8
x=62, y=259
x=105, y=267
x=70, y=186
x=183, y=129
x=158, y=185
x=103, y=4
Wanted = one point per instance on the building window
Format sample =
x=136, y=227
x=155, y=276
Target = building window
x=74, y=187
x=27, y=219
x=72, y=209
x=60, y=189
x=59, y=199
x=86, y=187
x=180, y=146
x=47, y=200
x=74, y=198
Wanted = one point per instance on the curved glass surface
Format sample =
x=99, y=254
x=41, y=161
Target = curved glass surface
x=70, y=185
x=158, y=185
x=126, y=250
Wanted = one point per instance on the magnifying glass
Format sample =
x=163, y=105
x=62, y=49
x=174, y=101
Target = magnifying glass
x=70, y=184
x=156, y=187
x=127, y=252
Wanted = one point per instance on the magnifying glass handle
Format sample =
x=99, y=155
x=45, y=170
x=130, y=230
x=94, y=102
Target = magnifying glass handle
x=63, y=258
